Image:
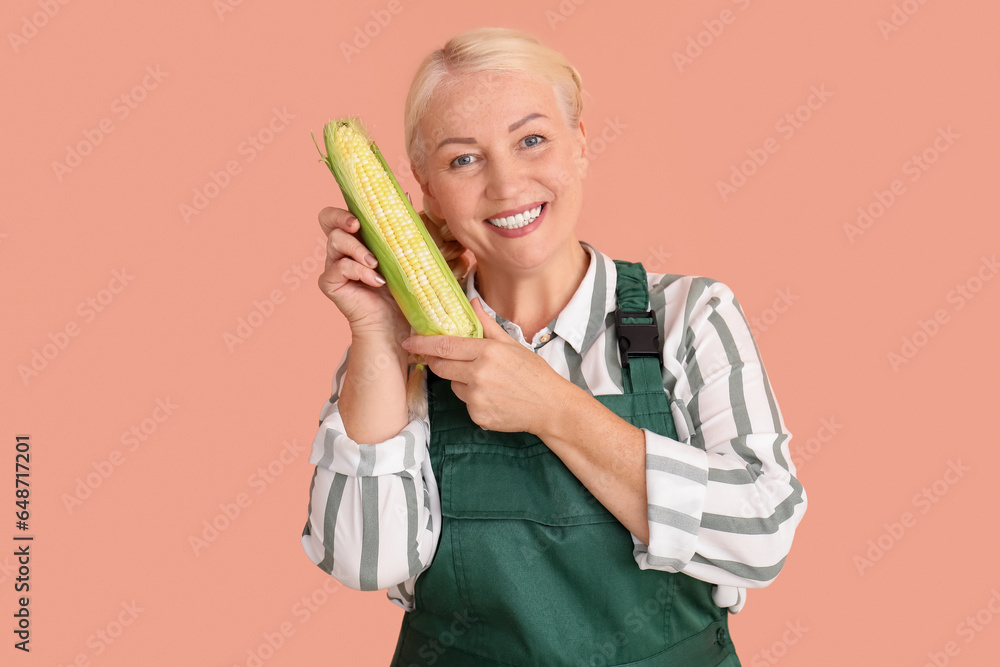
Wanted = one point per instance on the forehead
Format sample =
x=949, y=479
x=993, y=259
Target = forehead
x=486, y=102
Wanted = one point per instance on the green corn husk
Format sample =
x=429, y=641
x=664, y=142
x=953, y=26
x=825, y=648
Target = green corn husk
x=465, y=322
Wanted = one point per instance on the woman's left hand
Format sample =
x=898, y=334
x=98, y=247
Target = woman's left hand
x=505, y=386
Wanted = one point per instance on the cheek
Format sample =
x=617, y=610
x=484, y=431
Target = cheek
x=435, y=206
x=563, y=173
x=566, y=182
x=581, y=165
x=457, y=198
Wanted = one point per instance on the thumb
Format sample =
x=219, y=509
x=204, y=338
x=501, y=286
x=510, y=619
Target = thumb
x=491, y=330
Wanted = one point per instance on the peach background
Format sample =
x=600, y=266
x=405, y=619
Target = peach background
x=162, y=336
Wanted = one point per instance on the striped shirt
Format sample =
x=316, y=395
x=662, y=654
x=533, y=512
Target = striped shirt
x=723, y=498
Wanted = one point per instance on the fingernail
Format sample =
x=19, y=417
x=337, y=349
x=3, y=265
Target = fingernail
x=370, y=260
x=405, y=344
x=379, y=279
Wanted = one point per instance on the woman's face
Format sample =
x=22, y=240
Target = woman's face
x=504, y=169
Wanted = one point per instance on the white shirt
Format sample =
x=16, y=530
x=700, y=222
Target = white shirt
x=723, y=498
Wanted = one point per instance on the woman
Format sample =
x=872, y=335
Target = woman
x=560, y=504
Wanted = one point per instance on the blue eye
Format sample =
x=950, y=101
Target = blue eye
x=462, y=161
x=532, y=140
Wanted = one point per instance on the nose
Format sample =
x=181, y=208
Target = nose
x=506, y=179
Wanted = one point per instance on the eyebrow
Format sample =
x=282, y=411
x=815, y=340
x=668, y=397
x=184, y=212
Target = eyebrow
x=530, y=116
x=470, y=140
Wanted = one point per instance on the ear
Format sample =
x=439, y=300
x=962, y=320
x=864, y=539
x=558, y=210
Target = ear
x=583, y=157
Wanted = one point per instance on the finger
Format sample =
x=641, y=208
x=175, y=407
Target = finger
x=455, y=348
x=461, y=391
x=449, y=369
x=348, y=269
x=491, y=329
x=331, y=218
x=342, y=244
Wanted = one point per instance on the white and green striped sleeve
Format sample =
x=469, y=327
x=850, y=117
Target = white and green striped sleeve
x=374, y=512
x=724, y=502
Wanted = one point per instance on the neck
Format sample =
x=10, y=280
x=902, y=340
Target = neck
x=531, y=298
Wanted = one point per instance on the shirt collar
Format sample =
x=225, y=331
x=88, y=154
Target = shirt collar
x=583, y=318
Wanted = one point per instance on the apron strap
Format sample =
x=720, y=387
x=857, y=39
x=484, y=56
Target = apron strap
x=637, y=331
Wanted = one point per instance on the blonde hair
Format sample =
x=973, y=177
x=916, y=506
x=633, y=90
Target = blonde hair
x=490, y=50
x=497, y=51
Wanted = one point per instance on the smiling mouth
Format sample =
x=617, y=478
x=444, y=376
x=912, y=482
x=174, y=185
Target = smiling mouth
x=517, y=221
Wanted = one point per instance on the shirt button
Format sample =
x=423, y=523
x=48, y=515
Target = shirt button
x=544, y=338
x=720, y=637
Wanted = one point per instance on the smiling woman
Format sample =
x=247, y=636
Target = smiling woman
x=598, y=479
x=522, y=156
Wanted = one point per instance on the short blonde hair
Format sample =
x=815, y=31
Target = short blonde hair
x=489, y=50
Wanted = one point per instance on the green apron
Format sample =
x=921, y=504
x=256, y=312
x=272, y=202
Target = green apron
x=531, y=569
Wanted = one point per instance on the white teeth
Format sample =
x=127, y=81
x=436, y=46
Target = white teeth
x=516, y=221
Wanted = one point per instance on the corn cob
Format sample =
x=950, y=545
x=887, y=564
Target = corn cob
x=414, y=269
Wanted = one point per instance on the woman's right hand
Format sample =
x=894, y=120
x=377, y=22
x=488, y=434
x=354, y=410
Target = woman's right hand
x=352, y=283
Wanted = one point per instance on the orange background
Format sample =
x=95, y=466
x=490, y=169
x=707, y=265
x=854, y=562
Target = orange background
x=847, y=299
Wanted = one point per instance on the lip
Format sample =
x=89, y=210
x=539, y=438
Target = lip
x=515, y=211
x=520, y=231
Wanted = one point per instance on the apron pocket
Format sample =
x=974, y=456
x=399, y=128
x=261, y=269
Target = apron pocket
x=529, y=483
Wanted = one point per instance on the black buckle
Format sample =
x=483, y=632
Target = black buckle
x=637, y=340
